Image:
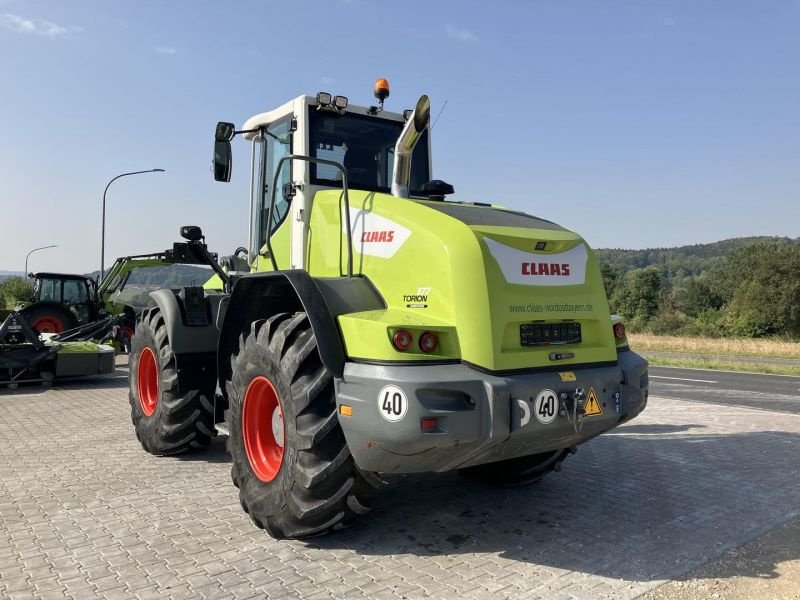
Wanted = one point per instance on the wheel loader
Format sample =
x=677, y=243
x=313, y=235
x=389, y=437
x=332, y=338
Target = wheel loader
x=376, y=327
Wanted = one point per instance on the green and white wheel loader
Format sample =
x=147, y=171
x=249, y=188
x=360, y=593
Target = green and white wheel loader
x=375, y=327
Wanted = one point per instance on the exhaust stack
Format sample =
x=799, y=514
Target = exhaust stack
x=404, y=147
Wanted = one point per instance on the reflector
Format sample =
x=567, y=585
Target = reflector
x=429, y=423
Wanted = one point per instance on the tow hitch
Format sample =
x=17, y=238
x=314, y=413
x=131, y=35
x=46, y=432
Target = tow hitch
x=573, y=406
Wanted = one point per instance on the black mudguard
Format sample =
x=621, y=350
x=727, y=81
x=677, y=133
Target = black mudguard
x=194, y=345
x=261, y=295
x=185, y=339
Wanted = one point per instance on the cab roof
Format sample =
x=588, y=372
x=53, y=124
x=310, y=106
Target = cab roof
x=49, y=275
x=265, y=118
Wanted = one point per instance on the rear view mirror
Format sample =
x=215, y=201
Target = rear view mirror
x=222, y=160
x=225, y=132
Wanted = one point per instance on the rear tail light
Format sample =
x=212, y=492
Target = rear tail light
x=428, y=342
x=402, y=340
x=619, y=331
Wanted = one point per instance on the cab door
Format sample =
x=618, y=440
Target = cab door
x=271, y=146
x=76, y=298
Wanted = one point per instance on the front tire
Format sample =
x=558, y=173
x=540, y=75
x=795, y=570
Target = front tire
x=167, y=422
x=295, y=474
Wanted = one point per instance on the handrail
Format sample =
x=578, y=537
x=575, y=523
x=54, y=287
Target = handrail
x=320, y=161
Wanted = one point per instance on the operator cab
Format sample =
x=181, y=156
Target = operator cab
x=63, y=288
x=360, y=139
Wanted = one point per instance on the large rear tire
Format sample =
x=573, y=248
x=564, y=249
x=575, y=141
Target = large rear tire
x=166, y=422
x=295, y=474
x=519, y=471
x=49, y=318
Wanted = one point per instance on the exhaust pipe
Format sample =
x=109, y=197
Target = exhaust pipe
x=404, y=147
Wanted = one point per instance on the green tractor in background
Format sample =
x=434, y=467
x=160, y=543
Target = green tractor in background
x=63, y=301
x=376, y=327
x=73, y=327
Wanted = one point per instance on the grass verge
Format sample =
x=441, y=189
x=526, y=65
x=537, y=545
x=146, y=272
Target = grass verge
x=642, y=342
x=708, y=363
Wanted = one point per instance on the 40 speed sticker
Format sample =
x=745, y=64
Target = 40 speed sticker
x=392, y=403
x=546, y=407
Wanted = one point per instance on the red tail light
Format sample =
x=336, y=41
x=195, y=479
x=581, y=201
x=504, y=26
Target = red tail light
x=428, y=342
x=402, y=340
x=619, y=331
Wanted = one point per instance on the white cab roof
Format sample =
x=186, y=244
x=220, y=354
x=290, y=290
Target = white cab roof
x=268, y=117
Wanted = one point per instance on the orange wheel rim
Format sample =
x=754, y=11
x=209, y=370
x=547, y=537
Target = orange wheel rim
x=147, y=381
x=263, y=429
x=48, y=325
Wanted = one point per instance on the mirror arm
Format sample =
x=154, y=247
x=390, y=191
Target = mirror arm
x=200, y=251
x=256, y=130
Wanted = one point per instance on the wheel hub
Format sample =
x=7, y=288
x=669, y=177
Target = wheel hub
x=263, y=429
x=277, y=426
x=48, y=325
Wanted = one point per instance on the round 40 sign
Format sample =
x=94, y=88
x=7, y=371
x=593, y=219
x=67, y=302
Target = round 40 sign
x=392, y=403
x=546, y=407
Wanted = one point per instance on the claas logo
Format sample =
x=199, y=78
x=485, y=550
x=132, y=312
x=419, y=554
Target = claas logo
x=535, y=268
x=377, y=236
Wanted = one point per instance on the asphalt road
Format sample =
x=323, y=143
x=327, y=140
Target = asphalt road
x=767, y=392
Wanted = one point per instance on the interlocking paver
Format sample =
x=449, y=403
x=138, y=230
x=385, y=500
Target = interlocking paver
x=84, y=511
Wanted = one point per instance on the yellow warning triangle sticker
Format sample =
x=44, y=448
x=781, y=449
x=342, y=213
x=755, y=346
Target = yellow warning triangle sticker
x=592, y=405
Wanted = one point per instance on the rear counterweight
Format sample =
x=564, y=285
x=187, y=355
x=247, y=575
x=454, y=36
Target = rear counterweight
x=455, y=416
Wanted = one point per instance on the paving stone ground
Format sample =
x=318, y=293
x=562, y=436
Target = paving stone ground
x=85, y=512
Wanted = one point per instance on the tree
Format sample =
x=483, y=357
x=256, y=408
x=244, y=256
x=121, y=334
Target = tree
x=764, y=286
x=15, y=290
x=613, y=279
x=638, y=300
x=698, y=297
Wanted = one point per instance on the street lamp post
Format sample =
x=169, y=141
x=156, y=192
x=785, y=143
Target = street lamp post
x=31, y=252
x=103, y=234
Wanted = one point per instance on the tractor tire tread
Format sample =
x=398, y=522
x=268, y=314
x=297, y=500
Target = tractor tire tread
x=182, y=422
x=325, y=490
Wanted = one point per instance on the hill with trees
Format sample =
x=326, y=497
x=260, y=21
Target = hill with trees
x=746, y=287
x=6, y=274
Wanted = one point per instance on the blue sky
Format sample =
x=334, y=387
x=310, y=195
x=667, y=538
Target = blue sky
x=635, y=123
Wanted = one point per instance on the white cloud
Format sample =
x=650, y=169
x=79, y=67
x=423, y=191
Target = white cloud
x=37, y=26
x=166, y=50
x=465, y=36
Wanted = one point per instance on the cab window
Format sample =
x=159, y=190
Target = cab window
x=74, y=292
x=274, y=145
x=364, y=145
x=50, y=290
